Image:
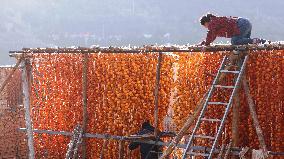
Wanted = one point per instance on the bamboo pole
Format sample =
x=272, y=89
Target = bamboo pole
x=11, y=73
x=184, y=129
x=254, y=117
x=84, y=91
x=26, y=99
x=157, y=88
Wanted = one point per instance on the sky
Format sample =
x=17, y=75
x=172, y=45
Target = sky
x=64, y=23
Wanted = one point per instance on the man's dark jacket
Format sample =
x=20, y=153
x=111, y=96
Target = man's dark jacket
x=146, y=148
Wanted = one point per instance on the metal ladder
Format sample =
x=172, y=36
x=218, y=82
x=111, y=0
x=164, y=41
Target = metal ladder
x=201, y=118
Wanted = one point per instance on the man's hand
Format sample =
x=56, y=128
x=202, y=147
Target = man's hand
x=201, y=43
x=202, y=46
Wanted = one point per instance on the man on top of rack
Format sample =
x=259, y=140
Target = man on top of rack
x=236, y=28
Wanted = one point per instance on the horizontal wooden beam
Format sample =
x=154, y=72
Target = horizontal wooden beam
x=235, y=151
x=89, y=135
x=149, y=49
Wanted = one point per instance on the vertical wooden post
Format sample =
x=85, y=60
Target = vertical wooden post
x=236, y=119
x=26, y=100
x=237, y=60
x=84, y=91
x=235, y=122
x=121, y=148
x=156, y=102
x=254, y=117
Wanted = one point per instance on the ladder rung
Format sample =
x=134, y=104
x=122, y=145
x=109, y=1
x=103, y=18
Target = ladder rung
x=227, y=71
x=220, y=86
x=218, y=103
x=204, y=137
x=197, y=154
x=212, y=120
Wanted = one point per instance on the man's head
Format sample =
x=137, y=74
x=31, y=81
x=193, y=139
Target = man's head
x=204, y=20
x=146, y=125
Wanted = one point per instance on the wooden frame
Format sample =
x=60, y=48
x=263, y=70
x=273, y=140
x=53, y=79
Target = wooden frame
x=174, y=143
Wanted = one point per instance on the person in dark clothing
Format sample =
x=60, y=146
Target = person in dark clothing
x=236, y=28
x=148, y=151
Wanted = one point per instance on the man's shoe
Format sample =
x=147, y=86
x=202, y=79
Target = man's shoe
x=258, y=41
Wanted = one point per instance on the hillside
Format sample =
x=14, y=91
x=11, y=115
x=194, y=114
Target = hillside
x=33, y=23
